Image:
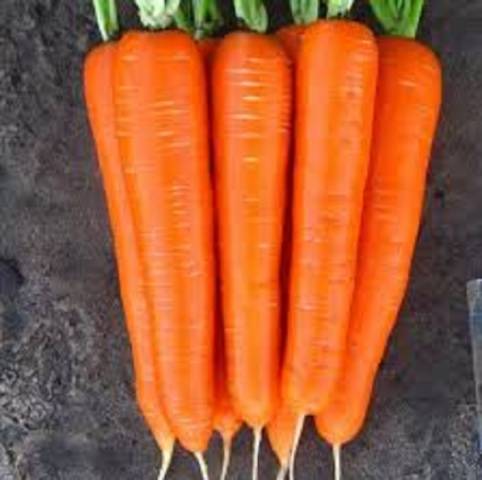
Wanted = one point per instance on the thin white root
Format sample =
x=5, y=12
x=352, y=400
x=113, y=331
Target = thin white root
x=337, y=461
x=202, y=465
x=167, y=453
x=282, y=473
x=226, y=459
x=296, y=442
x=256, y=447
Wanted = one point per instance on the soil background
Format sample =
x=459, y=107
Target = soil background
x=66, y=403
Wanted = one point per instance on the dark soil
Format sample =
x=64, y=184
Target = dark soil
x=66, y=404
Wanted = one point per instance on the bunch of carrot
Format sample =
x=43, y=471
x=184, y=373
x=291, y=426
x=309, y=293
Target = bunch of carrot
x=223, y=161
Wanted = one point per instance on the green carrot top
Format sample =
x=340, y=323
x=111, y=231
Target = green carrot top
x=399, y=17
x=338, y=8
x=157, y=14
x=107, y=19
x=200, y=18
x=253, y=13
x=307, y=11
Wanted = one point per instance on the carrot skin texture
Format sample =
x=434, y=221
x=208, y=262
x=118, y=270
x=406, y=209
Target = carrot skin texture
x=99, y=93
x=336, y=81
x=162, y=129
x=251, y=81
x=406, y=115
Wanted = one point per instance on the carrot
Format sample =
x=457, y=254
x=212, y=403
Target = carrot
x=99, y=73
x=251, y=96
x=281, y=429
x=226, y=421
x=162, y=129
x=407, y=108
x=336, y=82
x=201, y=18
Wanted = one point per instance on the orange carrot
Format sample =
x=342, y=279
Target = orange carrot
x=407, y=108
x=336, y=82
x=281, y=429
x=162, y=129
x=226, y=421
x=100, y=104
x=201, y=18
x=251, y=97
x=252, y=75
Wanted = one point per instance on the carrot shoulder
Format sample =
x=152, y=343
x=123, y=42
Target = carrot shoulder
x=161, y=113
x=291, y=37
x=407, y=108
x=304, y=12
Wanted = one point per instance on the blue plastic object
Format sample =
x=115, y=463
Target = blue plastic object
x=474, y=298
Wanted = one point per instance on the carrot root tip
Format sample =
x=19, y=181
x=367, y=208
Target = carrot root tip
x=256, y=447
x=226, y=460
x=167, y=453
x=282, y=473
x=202, y=465
x=299, y=430
x=337, y=461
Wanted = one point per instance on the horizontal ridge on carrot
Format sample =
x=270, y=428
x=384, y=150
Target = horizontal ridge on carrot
x=99, y=93
x=406, y=114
